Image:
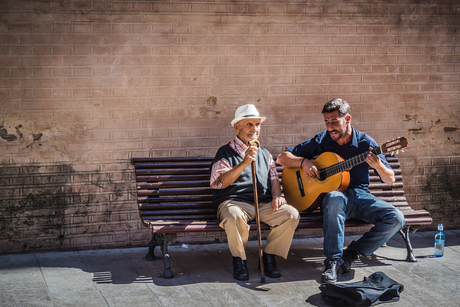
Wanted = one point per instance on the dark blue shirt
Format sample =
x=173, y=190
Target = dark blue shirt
x=360, y=143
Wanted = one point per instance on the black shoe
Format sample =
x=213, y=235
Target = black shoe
x=349, y=256
x=240, y=270
x=329, y=274
x=270, y=267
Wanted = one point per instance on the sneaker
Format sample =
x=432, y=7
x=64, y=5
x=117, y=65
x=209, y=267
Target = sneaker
x=349, y=256
x=330, y=272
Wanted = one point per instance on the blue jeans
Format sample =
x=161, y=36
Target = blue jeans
x=359, y=204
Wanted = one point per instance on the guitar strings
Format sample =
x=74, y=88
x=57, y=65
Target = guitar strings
x=341, y=166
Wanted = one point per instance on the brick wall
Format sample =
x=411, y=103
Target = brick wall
x=88, y=84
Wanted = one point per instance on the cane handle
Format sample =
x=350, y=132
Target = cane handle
x=251, y=143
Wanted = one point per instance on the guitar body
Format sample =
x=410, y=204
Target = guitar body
x=305, y=195
x=334, y=175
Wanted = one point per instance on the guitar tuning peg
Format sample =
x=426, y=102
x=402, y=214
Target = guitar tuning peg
x=397, y=151
x=402, y=150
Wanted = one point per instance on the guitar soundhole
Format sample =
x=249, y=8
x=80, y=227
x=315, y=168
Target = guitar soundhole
x=322, y=175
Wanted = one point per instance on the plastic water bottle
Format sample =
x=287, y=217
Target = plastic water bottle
x=439, y=239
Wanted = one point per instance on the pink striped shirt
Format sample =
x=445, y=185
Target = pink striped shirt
x=222, y=166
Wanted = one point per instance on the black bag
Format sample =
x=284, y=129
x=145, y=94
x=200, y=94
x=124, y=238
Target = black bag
x=373, y=290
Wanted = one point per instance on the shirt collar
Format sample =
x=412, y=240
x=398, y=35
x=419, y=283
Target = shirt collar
x=240, y=142
x=354, y=138
x=238, y=146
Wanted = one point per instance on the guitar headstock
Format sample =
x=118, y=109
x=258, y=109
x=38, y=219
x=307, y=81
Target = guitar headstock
x=395, y=145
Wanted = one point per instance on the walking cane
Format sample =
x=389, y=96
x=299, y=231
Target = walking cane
x=256, y=203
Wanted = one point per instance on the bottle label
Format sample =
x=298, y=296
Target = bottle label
x=438, y=248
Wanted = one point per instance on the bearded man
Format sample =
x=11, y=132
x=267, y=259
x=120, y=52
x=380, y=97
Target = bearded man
x=356, y=201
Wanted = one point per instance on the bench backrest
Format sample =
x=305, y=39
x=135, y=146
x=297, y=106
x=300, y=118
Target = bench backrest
x=178, y=189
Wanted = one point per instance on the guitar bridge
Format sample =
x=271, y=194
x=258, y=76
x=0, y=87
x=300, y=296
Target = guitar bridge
x=300, y=184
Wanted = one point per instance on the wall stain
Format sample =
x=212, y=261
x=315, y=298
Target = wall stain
x=37, y=136
x=43, y=207
x=9, y=137
x=444, y=186
x=42, y=213
x=36, y=219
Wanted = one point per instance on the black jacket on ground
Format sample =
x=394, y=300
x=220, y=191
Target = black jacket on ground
x=373, y=290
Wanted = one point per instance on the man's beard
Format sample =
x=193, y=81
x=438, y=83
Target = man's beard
x=340, y=134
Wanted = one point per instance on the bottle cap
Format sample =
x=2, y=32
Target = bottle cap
x=440, y=227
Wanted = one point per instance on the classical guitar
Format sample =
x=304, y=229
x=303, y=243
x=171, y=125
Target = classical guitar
x=333, y=175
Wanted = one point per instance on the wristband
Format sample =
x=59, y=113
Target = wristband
x=301, y=163
x=276, y=194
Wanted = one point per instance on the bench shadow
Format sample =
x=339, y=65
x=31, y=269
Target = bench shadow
x=212, y=264
x=195, y=264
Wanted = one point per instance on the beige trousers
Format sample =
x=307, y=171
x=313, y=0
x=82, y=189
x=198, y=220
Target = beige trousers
x=235, y=215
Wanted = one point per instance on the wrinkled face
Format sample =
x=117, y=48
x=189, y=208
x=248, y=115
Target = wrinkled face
x=248, y=129
x=336, y=125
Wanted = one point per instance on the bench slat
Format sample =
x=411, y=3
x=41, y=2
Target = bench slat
x=151, y=206
x=180, y=165
x=208, y=227
x=135, y=161
x=172, y=177
x=172, y=171
x=165, y=220
x=157, y=183
x=182, y=211
x=175, y=199
x=167, y=184
x=167, y=192
x=208, y=191
x=374, y=186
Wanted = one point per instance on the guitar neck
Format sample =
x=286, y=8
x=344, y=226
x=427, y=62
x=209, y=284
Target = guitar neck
x=349, y=163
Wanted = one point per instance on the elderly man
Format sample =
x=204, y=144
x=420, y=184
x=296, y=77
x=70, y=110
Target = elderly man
x=233, y=195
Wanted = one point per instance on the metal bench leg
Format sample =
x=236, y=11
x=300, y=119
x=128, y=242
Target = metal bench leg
x=162, y=240
x=164, y=248
x=404, y=232
x=157, y=240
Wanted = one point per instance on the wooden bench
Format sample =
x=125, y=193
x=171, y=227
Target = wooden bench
x=173, y=196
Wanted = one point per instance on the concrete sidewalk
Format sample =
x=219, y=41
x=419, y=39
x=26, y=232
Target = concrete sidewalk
x=203, y=276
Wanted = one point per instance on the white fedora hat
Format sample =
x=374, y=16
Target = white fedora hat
x=246, y=111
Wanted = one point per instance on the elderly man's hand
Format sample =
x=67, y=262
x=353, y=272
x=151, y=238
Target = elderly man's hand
x=277, y=202
x=250, y=154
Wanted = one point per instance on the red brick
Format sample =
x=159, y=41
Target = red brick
x=311, y=60
x=160, y=60
x=345, y=79
x=199, y=7
x=134, y=39
x=347, y=60
x=444, y=97
x=269, y=40
x=256, y=8
x=102, y=28
x=61, y=50
x=41, y=61
x=218, y=8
